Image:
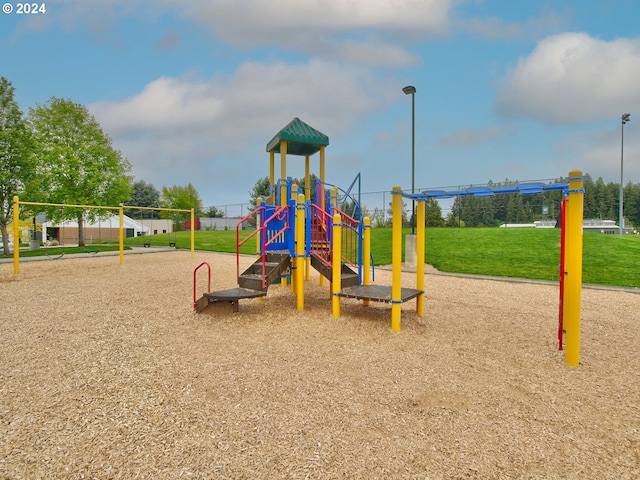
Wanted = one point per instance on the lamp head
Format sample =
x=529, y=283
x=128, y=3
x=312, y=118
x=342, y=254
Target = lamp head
x=409, y=89
x=625, y=117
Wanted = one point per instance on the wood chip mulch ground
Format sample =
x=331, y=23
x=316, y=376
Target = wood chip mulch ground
x=107, y=373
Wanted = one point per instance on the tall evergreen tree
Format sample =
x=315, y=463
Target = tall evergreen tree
x=143, y=194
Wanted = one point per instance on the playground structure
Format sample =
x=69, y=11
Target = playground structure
x=17, y=203
x=296, y=230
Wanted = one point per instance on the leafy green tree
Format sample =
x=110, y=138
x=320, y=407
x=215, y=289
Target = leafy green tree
x=17, y=164
x=78, y=164
x=261, y=189
x=184, y=198
x=143, y=194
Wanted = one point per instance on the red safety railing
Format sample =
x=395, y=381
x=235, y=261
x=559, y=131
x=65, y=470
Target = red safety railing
x=351, y=239
x=320, y=242
x=195, y=301
x=267, y=236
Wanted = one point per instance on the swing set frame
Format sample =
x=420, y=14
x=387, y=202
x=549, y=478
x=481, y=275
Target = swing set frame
x=17, y=203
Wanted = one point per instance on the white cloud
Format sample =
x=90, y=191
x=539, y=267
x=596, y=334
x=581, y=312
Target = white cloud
x=336, y=29
x=218, y=127
x=361, y=32
x=251, y=19
x=164, y=103
x=323, y=90
x=573, y=78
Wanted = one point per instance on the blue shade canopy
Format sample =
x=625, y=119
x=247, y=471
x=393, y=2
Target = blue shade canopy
x=301, y=139
x=523, y=188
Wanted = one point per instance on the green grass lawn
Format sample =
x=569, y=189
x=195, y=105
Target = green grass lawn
x=211, y=240
x=516, y=252
x=524, y=253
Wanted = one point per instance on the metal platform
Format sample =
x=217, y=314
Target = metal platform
x=378, y=293
x=232, y=295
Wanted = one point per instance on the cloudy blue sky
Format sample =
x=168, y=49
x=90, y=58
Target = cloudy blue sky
x=191, y=91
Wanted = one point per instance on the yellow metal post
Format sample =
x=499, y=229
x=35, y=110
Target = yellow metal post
x=259, y=201
x=322, y=163
x=272, y=176
x=283, y=173
x=16, y=240
x=307, y=179
x=396, y=259
x=420, y=223
x=121, y=233
x=283, y=186
x=336, y=263
x=366, y=254
x=322, y=199
x=307, y=194
x=294, y=262
x=300, y=251
x=573, y=268
x=193, y=233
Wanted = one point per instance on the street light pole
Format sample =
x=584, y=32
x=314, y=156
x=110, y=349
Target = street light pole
x=411, y=90
x=624, y=119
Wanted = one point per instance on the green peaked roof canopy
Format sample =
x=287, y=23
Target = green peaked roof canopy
x=301, y=139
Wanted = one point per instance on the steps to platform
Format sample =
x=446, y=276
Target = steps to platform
x=276, y=264
x=348, y=278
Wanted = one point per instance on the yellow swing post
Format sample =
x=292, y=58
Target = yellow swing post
x=573, y=267
x=336, y=263
x=396, y=259
x=299, y=259
x=16, y=232
x=121, y=233
x=366, y=254
x=420, y=219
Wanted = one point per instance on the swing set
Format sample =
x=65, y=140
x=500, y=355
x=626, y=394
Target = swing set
x=58, y=235
x=17, y=203
x=172, y=236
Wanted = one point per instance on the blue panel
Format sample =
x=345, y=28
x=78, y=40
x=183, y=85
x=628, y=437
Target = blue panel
x=437, y=194
x=505, y=190
x=273, y=231
x=531, y=188
x=557, y=186
x=480, y=191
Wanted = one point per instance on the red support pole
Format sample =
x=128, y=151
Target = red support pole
x=562, y=271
